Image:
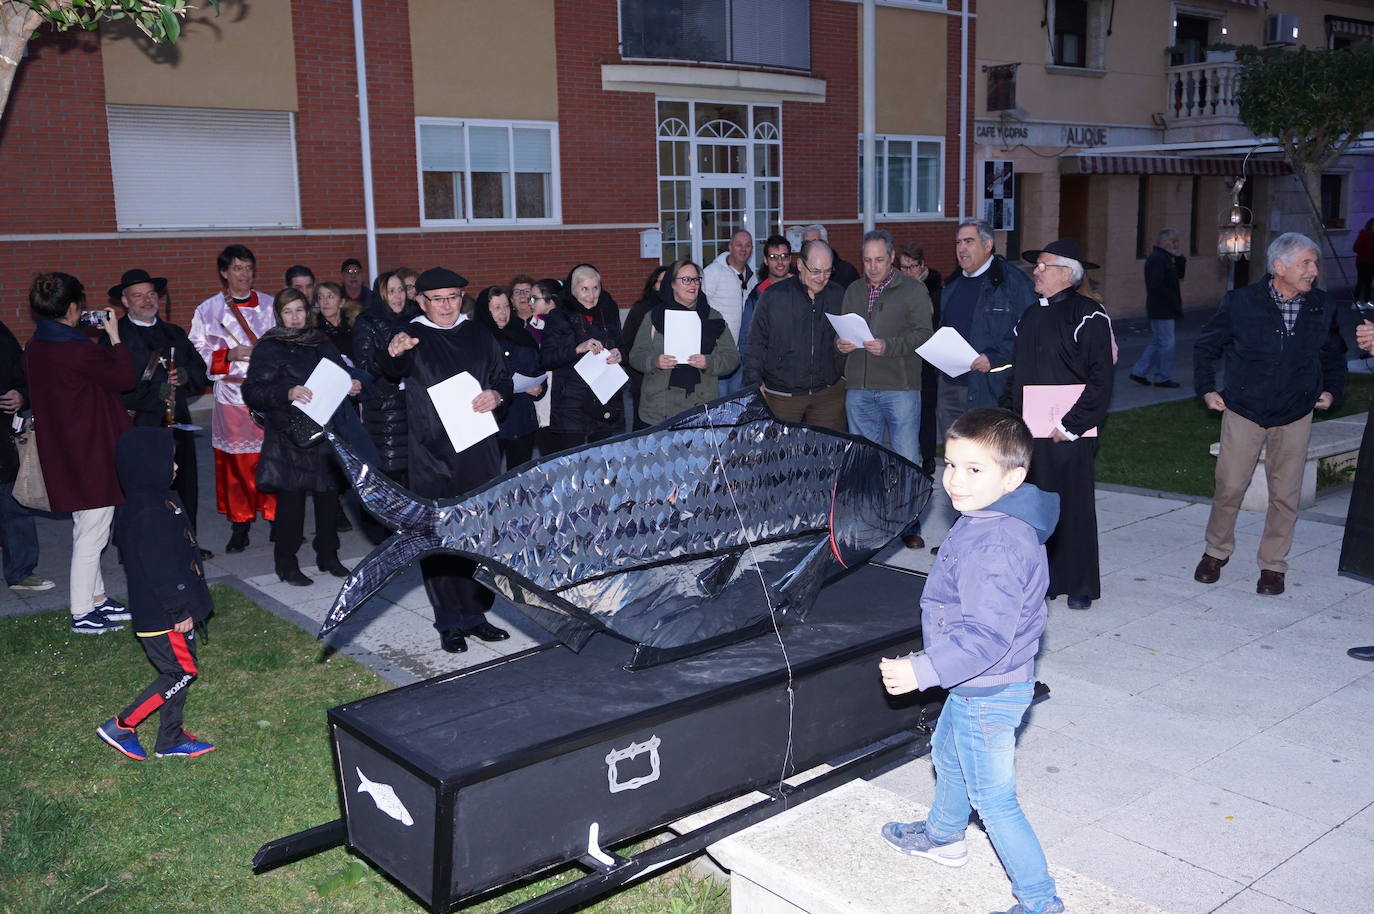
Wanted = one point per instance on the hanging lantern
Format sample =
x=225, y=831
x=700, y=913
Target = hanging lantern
x=1233, y=237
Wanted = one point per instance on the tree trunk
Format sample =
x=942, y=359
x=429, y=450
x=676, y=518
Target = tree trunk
x=1309, y=175
x=17, y=24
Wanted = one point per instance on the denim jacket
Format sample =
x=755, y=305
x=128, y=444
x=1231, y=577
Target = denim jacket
x=983, y=608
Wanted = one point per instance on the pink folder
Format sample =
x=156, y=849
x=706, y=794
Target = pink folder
x=1044, y=405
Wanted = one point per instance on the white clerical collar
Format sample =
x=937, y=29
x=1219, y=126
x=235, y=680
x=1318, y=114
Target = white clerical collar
x=421, y=319
x=981, y=270
x=139, y=323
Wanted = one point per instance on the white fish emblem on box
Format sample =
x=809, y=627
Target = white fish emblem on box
x=385, y=798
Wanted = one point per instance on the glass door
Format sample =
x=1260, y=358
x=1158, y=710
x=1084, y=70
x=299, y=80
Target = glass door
x=720, y=169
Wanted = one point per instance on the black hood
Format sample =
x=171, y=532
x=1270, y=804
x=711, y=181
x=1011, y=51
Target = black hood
x=143, y=457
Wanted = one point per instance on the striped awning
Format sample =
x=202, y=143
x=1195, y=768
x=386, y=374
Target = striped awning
x=1358, y=28
x=1168, y=165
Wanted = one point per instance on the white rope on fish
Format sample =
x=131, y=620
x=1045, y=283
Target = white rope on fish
x=772, y=613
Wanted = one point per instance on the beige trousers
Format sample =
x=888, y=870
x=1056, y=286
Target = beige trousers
x=1285, y=454
x=90, y=536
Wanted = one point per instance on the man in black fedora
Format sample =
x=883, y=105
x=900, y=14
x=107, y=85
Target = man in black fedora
x=1063, y=341
x=151, y=342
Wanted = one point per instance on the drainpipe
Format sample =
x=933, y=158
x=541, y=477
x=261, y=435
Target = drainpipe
x=365, y=130
x=963, y=107
x=870, y=103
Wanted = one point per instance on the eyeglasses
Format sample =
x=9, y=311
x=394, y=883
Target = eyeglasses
x=352, y=271
x=689, y=280
x=779, y=255
x=815, y=272
x=1046, y=266
x=444, y=299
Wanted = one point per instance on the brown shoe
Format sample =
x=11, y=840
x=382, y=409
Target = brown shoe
x=1209, y=569
x=913, y=542
x=1270, y=583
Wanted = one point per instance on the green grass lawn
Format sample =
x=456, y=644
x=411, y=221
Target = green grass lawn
x=1164, y=446
x=84, y=829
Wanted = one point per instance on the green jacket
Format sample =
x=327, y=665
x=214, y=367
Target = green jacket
x=901, y=319
x=658, y=401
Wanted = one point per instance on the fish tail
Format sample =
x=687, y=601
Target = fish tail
x=386, y=500
x=382, y=563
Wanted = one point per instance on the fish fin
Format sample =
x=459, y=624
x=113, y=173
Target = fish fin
x=723, y=413
x=796, y=590
x=555, y=615
x=713, y=579
x=382, y=563
x=385, y=499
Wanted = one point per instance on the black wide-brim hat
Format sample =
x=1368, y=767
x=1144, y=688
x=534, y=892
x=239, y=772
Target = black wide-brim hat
x=133, y=278
x=1064, y=247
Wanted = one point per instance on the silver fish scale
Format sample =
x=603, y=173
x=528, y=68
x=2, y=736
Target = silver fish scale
x=644, y=500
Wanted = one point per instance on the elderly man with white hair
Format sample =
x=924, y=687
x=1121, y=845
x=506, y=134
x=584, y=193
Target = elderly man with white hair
x=1061, y=365
x=1282, y=355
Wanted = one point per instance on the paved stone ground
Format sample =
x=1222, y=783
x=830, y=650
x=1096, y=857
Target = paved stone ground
x=1205, y=749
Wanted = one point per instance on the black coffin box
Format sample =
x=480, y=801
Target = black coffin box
x=472, y=780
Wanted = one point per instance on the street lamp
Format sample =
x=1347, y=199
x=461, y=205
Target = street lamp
x=1234, y=235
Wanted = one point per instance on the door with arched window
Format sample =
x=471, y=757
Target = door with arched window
x=719, y=169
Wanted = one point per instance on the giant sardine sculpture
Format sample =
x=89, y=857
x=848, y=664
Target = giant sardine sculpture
x=708, y=528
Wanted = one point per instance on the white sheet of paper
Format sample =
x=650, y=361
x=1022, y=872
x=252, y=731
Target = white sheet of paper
x=453, y=402
x=681, y=334
x=524, y=382
x=603, y=379
x=948, y=351
x=328, y=385
x=851, y=327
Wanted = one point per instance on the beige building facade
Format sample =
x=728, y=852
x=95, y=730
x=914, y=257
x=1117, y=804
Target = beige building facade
x=1118, y=119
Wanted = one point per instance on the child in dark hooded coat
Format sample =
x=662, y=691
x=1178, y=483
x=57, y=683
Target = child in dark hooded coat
x=167, y=593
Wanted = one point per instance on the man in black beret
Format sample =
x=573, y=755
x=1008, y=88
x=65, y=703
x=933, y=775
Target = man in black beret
x=434, y=347
x=151, y=342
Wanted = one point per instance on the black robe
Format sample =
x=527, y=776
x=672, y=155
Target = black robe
x=1357, y=549
x=1067, y=340
x=146, y=403
x=436, y=469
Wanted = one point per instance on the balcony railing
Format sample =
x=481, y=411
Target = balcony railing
x=740, y=32
x=1198, y=91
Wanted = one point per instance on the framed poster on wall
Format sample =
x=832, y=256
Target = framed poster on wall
x=999, y=194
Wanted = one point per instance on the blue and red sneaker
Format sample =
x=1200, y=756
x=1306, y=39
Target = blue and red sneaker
x=123, y=739
x=189, y=749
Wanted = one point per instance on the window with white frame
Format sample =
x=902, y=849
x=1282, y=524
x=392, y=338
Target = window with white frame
x=910, y=175
x=244, y=168
x=476, y=171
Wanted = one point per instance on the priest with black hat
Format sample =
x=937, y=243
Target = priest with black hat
x=1065, y=339
x=433, y=347
x=154, y=344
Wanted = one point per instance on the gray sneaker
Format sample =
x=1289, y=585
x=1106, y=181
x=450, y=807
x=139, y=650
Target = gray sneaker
x=94, y=622
x=911, y=839
x=1053, y=906
x=34, y=583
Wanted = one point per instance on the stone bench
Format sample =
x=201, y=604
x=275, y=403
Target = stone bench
x=826, y=857
x=1331, y=438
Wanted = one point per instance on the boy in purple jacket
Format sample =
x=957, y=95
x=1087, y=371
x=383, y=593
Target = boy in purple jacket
x=982, y=613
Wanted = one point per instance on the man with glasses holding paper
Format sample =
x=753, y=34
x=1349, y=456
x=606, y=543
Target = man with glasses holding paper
x=456, y=378
x=1060, y=381
x=790, y=354
x=882, y=374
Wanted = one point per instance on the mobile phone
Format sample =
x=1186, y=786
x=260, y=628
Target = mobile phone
x=96, y=319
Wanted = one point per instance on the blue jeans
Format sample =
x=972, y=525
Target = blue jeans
x=1156, y=363
x=891, y=417
x=21, y=536
x=974, y=751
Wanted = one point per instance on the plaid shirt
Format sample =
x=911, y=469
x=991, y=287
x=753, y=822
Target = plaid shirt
x=1288, y=307
x=875, y=291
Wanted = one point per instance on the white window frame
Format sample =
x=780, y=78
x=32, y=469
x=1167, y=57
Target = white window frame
x=141, y=193
x=555, y=216
x=879, y=159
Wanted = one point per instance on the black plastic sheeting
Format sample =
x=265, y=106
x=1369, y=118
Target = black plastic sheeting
x=694, y=533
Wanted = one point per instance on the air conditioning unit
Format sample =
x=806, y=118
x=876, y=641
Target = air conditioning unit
x=1281, y=28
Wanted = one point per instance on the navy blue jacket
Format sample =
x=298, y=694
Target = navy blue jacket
x=1004, y=298
x=159, y=552
x=1272, y=377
